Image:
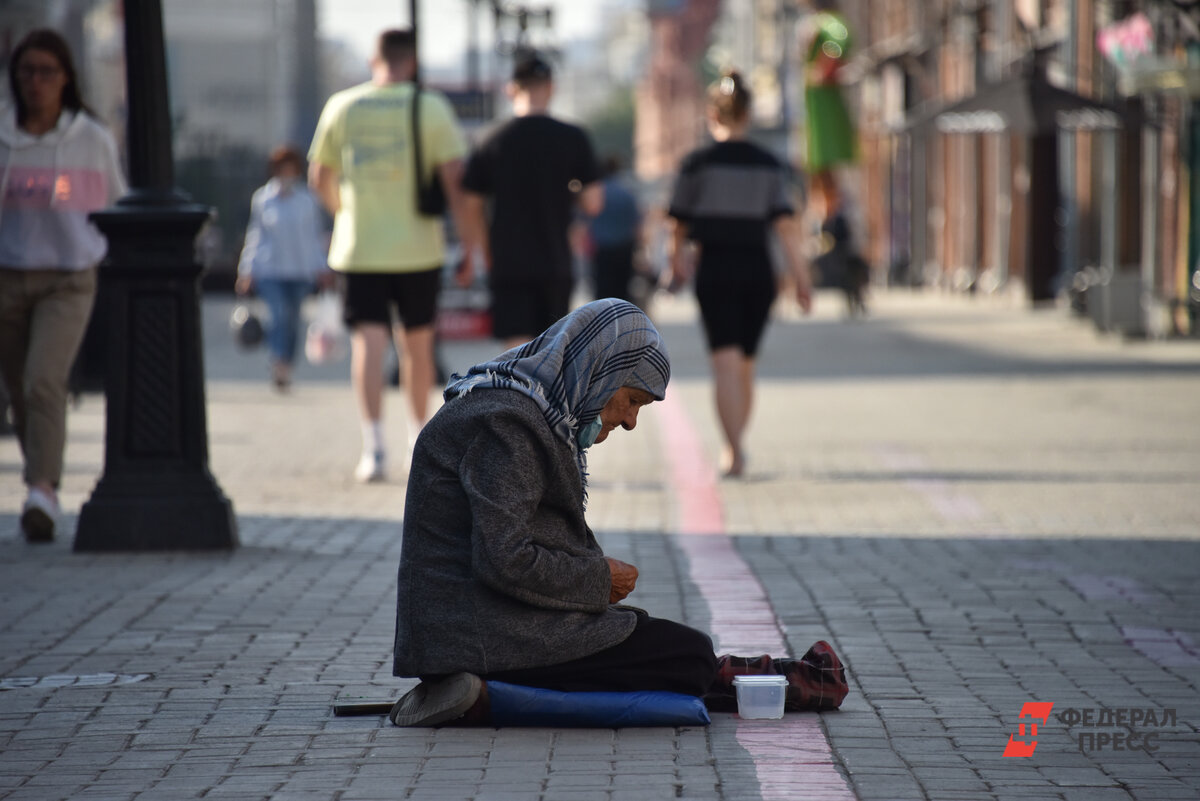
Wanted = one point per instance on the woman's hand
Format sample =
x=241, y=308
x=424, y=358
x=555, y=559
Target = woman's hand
x=243, y=285
x=624, y=577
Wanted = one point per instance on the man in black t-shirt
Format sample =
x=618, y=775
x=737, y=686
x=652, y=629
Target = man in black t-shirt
x=534, y=169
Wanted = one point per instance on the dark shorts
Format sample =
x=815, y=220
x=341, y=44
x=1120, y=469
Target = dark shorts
x=530, y=307
x=369, y=297
x=735, y=303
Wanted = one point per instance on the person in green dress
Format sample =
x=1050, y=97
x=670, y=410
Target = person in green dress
x=831, y=137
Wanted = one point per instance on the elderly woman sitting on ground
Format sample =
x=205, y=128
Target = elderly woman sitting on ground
x=500, y=577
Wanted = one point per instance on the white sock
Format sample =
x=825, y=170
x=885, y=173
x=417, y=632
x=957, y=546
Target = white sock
x=372, y=435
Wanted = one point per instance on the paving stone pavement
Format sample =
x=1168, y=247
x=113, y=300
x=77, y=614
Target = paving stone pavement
x=978, y=505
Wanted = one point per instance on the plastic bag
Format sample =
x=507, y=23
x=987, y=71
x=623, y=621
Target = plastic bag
x=247, y=329
x=325, y=340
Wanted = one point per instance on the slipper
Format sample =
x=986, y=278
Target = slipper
x=431, y=703
x=816, y=681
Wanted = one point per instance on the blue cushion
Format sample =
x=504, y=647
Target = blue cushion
x=515, y=705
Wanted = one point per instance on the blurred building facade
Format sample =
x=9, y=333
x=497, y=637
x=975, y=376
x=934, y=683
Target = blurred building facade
x=960, y=199
x=1038, y=147
x=669, y=103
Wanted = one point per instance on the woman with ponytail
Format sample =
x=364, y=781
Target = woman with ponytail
x=729, y=198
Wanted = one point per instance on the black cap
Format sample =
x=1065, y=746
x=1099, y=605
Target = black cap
x=531, y=68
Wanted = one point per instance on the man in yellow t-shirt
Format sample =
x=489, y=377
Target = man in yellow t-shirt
x=363, y=169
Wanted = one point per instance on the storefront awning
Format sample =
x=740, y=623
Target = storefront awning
x=1025, y=105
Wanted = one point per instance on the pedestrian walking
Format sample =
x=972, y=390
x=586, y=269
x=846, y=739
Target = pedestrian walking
x=829, y=132
x=831, y=142
x=536, y=171
x=59, y=165
x=500, y=578
x=728, y=199
x=614, y=236
x=391, y=254
x=283, y=257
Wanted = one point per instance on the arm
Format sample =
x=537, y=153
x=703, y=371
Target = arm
x=318, y=245
x=323, y=180
x=677, y=246
x=474, y=233
x=591, y=199
x=115, y=178
x=789, y=236
x=624, y=578
x=517, y=547
x=245, y=271
x=450, y=174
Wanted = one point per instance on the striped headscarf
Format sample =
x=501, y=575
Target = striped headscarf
x=574, y=367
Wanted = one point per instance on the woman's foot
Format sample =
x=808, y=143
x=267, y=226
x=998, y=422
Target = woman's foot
x=432, y=703
x=733, y=463
x=40, y=514
x=281, y=376
x=816, y=681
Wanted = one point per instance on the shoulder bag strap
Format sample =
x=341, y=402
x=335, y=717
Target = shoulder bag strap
x=416, y=135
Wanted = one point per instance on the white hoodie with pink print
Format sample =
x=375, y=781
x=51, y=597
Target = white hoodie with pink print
x=49, y=185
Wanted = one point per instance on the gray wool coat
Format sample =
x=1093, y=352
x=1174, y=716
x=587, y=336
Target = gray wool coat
x=498, y=570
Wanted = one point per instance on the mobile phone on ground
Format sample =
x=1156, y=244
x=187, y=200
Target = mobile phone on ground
x=347, y=708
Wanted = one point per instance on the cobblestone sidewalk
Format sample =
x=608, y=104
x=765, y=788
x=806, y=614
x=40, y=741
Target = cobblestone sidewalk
x=980, y=507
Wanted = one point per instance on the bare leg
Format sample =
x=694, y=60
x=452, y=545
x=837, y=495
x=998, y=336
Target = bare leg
x=825, y=192
x=367, y=344
x=733, y=374
x=418, y=372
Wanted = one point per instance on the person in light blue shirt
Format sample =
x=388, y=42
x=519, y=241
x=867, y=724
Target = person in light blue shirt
x=615, y=234
x=283, y=257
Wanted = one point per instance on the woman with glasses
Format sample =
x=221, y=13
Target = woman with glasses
x=729, y=198
x=58, y=164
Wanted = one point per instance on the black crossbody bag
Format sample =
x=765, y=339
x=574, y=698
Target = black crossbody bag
x=431, y=197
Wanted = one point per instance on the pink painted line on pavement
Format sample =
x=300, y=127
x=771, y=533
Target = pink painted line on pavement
x=791, y=757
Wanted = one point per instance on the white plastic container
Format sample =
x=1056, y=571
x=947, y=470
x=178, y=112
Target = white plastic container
x=760, y=697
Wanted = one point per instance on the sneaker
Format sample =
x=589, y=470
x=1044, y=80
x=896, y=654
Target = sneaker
x=431, y=703
x=371, y=468
x=39, y=516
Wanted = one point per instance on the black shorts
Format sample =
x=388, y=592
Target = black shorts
x=528, y=308
x=735, y=302
x=369, y=297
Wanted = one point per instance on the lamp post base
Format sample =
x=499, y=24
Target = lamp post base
x=157, y=492
x=190, y=513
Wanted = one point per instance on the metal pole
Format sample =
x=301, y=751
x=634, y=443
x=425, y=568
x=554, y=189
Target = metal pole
x=412, y=15
x=151, y=164
x=473, y=45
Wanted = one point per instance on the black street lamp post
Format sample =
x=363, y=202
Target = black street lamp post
x=157, y=492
